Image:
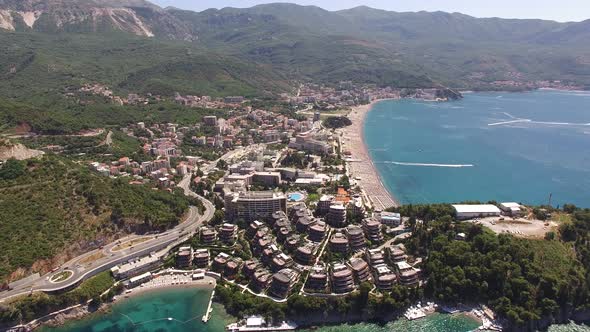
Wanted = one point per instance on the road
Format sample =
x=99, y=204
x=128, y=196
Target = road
x=82, y=267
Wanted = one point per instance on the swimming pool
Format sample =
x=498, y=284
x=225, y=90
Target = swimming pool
x=296, y=197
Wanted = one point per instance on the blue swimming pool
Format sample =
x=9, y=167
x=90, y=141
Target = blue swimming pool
x=296, y=197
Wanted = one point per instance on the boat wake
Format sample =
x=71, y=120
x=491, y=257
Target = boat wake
x=427, y=165
x=548, y=123
x=508, y=122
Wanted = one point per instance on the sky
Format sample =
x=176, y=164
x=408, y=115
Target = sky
x=557, y=10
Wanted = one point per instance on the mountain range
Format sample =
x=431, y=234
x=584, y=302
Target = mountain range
x=294, y=43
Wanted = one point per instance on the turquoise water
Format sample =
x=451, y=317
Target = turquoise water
x=149, y=312
x=488, y=146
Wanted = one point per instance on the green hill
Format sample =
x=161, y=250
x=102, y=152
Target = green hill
x=269, y=48
x=53, y=208
x=33, y=64
x=377, y=46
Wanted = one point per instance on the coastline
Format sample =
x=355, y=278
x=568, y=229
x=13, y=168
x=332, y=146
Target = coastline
x=208, y=283
x=79, y=312
x=360, y=166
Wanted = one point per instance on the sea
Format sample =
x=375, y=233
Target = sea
x=532, y=148
x=176, y=310
x=520, y=147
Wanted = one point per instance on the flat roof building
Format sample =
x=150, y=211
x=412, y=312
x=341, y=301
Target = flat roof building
x=324, y=203
x=219, y=262
x=467, y=211
x=253, y=205
x=281, y=261
x=305, y=254
x=232, y=268
x=135, y=266
x=140, y=279
x=397, y=254
x=511, y=208
x=250, y=266
x=390, y=219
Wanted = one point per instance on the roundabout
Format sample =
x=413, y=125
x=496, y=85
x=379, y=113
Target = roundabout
x=61, y=276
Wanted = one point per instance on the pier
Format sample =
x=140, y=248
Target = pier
x=207, y=314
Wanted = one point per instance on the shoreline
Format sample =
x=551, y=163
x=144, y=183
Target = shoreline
x=360, y=164
x=80, y=312
x=148, y=287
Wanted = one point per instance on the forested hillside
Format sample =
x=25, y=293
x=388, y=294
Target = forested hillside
x=270, y=48
x=54, y=208
x=399, y=49
x=35, y=67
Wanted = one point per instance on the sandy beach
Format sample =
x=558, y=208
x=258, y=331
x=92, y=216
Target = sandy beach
x=360, y=166
x=167, y=282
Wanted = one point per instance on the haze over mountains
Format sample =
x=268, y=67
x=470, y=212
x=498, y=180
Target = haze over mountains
x=296, y=43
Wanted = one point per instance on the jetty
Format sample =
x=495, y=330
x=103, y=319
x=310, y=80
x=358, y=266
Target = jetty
x=207, y=314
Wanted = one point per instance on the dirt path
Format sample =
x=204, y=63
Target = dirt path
x=108, y=140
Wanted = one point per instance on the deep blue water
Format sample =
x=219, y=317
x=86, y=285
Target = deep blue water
x=546, y=149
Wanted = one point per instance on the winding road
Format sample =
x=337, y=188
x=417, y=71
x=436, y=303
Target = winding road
x=96, y=261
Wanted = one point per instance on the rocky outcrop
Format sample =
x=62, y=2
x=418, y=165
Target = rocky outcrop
x=448, y=94
x=17, y=151
x=133, y=16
